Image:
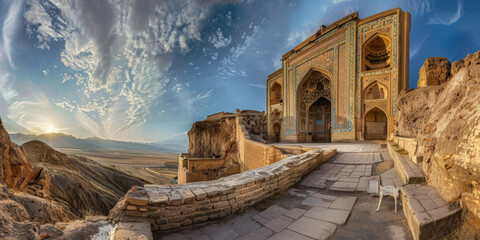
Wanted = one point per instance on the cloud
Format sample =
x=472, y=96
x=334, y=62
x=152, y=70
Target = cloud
x=9, y=29
x=257, y=85
x=419, y=7
x=417, y=46
x=447, y=20
x=218, y=40
x=119, y=53
x=6, y=86
x=339, y=1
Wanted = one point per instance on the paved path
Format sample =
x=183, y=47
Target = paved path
x=330, y=203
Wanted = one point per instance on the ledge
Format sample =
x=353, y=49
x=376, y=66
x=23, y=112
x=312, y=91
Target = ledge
x=409, y=172
x=427, y=214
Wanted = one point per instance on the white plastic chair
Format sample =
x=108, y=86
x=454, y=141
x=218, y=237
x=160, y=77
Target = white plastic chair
x=388, y=191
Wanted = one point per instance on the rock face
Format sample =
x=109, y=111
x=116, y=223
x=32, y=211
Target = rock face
x=15, y=169
x=435, y=71
x=446, y=121
x=21, y=214
x=79, y=184
x=17, y=172
x=208, y=139
x=216, y=138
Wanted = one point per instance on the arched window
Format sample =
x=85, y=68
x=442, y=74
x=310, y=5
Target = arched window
x=375, y=91
x=275, y=94
x=376, y=53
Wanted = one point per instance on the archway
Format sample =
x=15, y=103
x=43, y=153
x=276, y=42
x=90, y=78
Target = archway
x=376, y=53
x=375, y=91
x=375, y=125
x=320, y=123
x=276, y=132
x=314, y=107
x=276, y=94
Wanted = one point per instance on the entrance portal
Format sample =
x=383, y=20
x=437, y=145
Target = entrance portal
x=320, y=114
x=314, y=107
x=375, y=125
x=276, y=132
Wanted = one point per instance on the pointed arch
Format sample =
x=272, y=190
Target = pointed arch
x=276, y=93
x=375, y=90
x=376, y=52
x=375, y=124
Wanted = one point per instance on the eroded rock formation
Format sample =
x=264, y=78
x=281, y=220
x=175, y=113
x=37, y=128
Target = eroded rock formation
x=80, y=184
x=435, y=71
x=446, y=121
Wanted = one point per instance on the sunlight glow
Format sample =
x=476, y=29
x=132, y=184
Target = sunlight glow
x=50, y=129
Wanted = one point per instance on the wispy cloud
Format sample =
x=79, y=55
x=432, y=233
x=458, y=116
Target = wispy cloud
x=218, y=40
x=9, y=29
x=417, y=45
x=339, y=1
x=447, y=20
x=257, y=85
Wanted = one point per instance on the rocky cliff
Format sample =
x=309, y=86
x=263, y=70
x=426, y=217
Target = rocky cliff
x=17, y=172
x=445, y=119
x=80, y=184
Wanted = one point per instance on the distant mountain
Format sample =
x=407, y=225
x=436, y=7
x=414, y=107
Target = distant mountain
x=60, y=140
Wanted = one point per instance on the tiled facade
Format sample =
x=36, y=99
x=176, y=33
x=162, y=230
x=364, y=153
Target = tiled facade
x=360, y=58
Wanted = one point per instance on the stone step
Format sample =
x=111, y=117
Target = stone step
x=428, y=215
x=409, y=172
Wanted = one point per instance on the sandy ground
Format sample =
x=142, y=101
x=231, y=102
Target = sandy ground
x=152, y=167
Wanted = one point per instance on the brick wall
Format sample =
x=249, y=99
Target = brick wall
x=168, y=207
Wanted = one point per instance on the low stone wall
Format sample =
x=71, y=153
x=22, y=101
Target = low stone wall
x=415, y=150
x=409, y=144
x=408, y=171
x=197, y=169
x=168, y=207
x=254, y=154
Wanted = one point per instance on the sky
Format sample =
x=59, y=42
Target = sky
x=146, y=70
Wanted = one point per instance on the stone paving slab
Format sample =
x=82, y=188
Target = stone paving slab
x=289, y=235
x=344, y=203
x=344, y=186
x=427, y=214
x=357, y=158
x=260, y=234
x=315, y=202
x=391, y=178
x=217, y=232
x=329, y=215
x=295, y=213
x=313, y=228
x=279, y=223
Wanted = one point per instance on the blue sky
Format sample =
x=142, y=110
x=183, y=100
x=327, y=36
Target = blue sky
x=146, y=70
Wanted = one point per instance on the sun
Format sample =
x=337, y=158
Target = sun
x=50, y=129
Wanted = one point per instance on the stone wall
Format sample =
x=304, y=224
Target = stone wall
x=409, y=144
x=197, y=169
x=254, y=154
x=445, y=119
x=168, y=207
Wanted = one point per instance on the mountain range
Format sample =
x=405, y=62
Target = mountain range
x=61, y=140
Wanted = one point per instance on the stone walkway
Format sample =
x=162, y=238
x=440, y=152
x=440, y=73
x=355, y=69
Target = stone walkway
x=322, y=206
